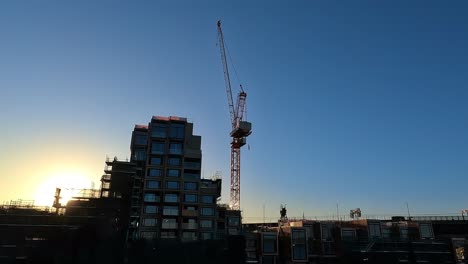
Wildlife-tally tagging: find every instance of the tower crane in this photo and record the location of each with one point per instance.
(240, 128)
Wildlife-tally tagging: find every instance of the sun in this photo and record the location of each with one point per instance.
(69, 182)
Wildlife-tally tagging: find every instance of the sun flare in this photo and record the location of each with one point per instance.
(68, 181)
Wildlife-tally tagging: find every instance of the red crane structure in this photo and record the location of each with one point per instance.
(240, 128)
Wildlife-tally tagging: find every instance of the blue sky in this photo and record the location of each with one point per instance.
(356, 103)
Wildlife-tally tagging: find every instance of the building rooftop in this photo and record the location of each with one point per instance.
(170, 118)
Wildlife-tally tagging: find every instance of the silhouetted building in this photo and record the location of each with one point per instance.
(174, 202)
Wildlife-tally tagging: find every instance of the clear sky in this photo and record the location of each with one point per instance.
(357, 103)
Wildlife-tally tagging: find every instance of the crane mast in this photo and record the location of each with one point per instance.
(240, 128)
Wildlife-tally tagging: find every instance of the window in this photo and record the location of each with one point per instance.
(299, 252)
(191, 163)
(149, 222)
(175, 148)
(298, 236)
(140, 154)
(206, 224)
(156, 161)
(208, 199)
(404, 233)
(206, 236)
(269, 243)
(348, 234)
(148, 235)
(151, 197)
(190, 186)
(299, 244)
(327, 232)
(155, 173)
(172, 185)
(173, 173)
(152, 184)
(207, 211)
(151, 209)
(310, 231)
(157, 148)
(169, 224)
(425, 230)
(174, 161)
(171, 210)
(374, 230)
(177, 131)
(191, 198)
(168, 234)
(233, 221)
(191, 176)
(189, 236)
(159, 130)
(140, 140)
(171, 198)
(105, 185)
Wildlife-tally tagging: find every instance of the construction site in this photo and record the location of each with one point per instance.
(157, 208)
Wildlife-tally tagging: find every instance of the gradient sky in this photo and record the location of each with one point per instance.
(357, 103)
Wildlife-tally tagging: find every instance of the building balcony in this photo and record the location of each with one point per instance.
(191, 213)
(191, 226)
(106, 177)
(167, 225)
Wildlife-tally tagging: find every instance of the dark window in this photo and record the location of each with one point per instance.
(207, 211)
(192, 165)
(206, 236)
(151, 197)
(269, 243)
(149, 221)
(299, 252)
(206, 224)
(299, 244)
(233, 221)
(159, 130)
(157, 147)
(190, 186)
(175, 148)
(152, 184)
(156, 161)
(172, 185)
(173, 173)
(171, 198)
(140, 154)
(151, 209)
(174, 161)
(374, 230)
(140, 140)
(155, 173)
(207, 199)
(191, 176)
(191, 198)
(348, 234)
(177, 131)
(425, 229)
(171, 210)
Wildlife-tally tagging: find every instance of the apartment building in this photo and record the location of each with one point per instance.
(172, 200)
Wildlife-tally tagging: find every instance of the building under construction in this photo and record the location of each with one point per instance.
(157, 200)
(440, 239)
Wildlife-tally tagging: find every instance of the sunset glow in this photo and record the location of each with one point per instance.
(69, 182)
